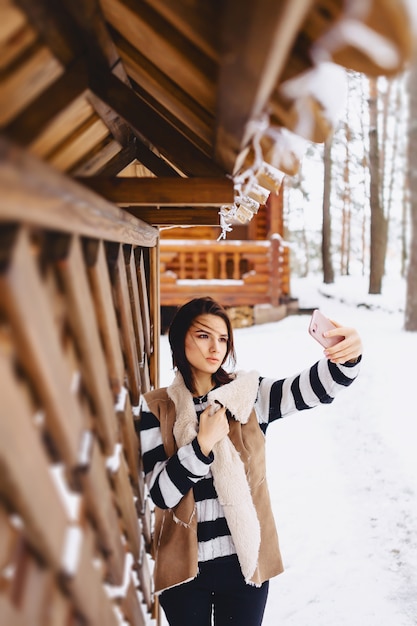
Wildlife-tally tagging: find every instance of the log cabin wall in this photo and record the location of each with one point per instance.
(248, 270)
(77, 347)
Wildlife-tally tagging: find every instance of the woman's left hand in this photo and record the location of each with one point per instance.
(349, 349)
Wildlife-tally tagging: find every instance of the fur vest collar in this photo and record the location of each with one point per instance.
(228, 470)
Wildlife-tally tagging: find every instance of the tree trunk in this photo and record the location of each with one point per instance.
(378, 220)
(365, 166)
(404, 227)
(346, 211)
(328, 272)
(411, 300)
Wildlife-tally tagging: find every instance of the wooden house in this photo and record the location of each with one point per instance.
(120, 119)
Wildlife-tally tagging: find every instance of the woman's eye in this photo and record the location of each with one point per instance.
(202, 336)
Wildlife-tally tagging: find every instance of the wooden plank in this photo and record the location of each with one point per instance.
(25, 480)
(87, 22)
(227, 294)
(126, 506)
(93, 161)
(144, 300)
(72, 270)
(39, 347)
(102, 51)
(49, 104)
(178, 58)
(257, 248)
(257, 38)
(57, 28)
(200, 26)
(166, 96)
(131, 444)
(13, 22)
(122, 301)
(164, 191)
(146, 376)
(60, 127)
(9, 614)
(176, 216)
(98, 498)
(132, 608)
(132, 278)
(79, 143)
(86, 588)
(80, 22)
(146, 519)
(60, 608)
(159, 132)
(145, 579)
(151, 161)
(35, 193)
(105, 156)
(8, 540)
(33, 583)
(72, 29)
(16, 35)
(23, 85)
(152, 258)
(98, 274)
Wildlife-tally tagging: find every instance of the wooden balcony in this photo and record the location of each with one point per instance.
(236, 273)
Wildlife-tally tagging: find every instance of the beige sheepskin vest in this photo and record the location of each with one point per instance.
(239, 478)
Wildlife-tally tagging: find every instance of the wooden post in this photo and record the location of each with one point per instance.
(155, 312)
(274, 271)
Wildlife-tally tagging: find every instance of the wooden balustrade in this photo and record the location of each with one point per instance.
(236, 273)
(78, 344)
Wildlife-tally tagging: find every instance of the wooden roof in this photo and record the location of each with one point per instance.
(183, 89)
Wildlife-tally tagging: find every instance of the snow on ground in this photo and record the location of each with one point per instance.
(343, 478)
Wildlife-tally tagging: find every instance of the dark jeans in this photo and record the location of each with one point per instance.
(219, 589)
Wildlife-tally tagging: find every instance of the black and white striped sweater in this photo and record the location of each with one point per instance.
(169, 479)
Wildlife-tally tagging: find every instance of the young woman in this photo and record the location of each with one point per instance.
(215, 544)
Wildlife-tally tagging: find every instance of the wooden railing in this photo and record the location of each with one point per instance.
(236, 273)
(78, 344)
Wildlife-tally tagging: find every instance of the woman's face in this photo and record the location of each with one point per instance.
(206, 344)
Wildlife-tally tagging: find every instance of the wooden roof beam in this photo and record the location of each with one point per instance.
(164, 95)
(256, 40)
(120, 108)
(163, 191)
(155, 130)
(78, 30)
(171, 52)
(176, 216)
(113, 166)
(75, 31)
(201, 26)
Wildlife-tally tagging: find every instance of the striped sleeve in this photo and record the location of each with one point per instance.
(316, 385)
(169, 479)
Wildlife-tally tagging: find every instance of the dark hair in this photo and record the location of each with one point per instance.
(178, 329)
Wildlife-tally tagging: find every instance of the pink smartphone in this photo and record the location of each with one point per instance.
(319, 324)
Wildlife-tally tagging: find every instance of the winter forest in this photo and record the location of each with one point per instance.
(352, 207)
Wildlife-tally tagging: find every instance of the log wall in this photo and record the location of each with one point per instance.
(236, 273)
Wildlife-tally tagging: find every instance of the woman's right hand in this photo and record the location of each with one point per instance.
(213, 428)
